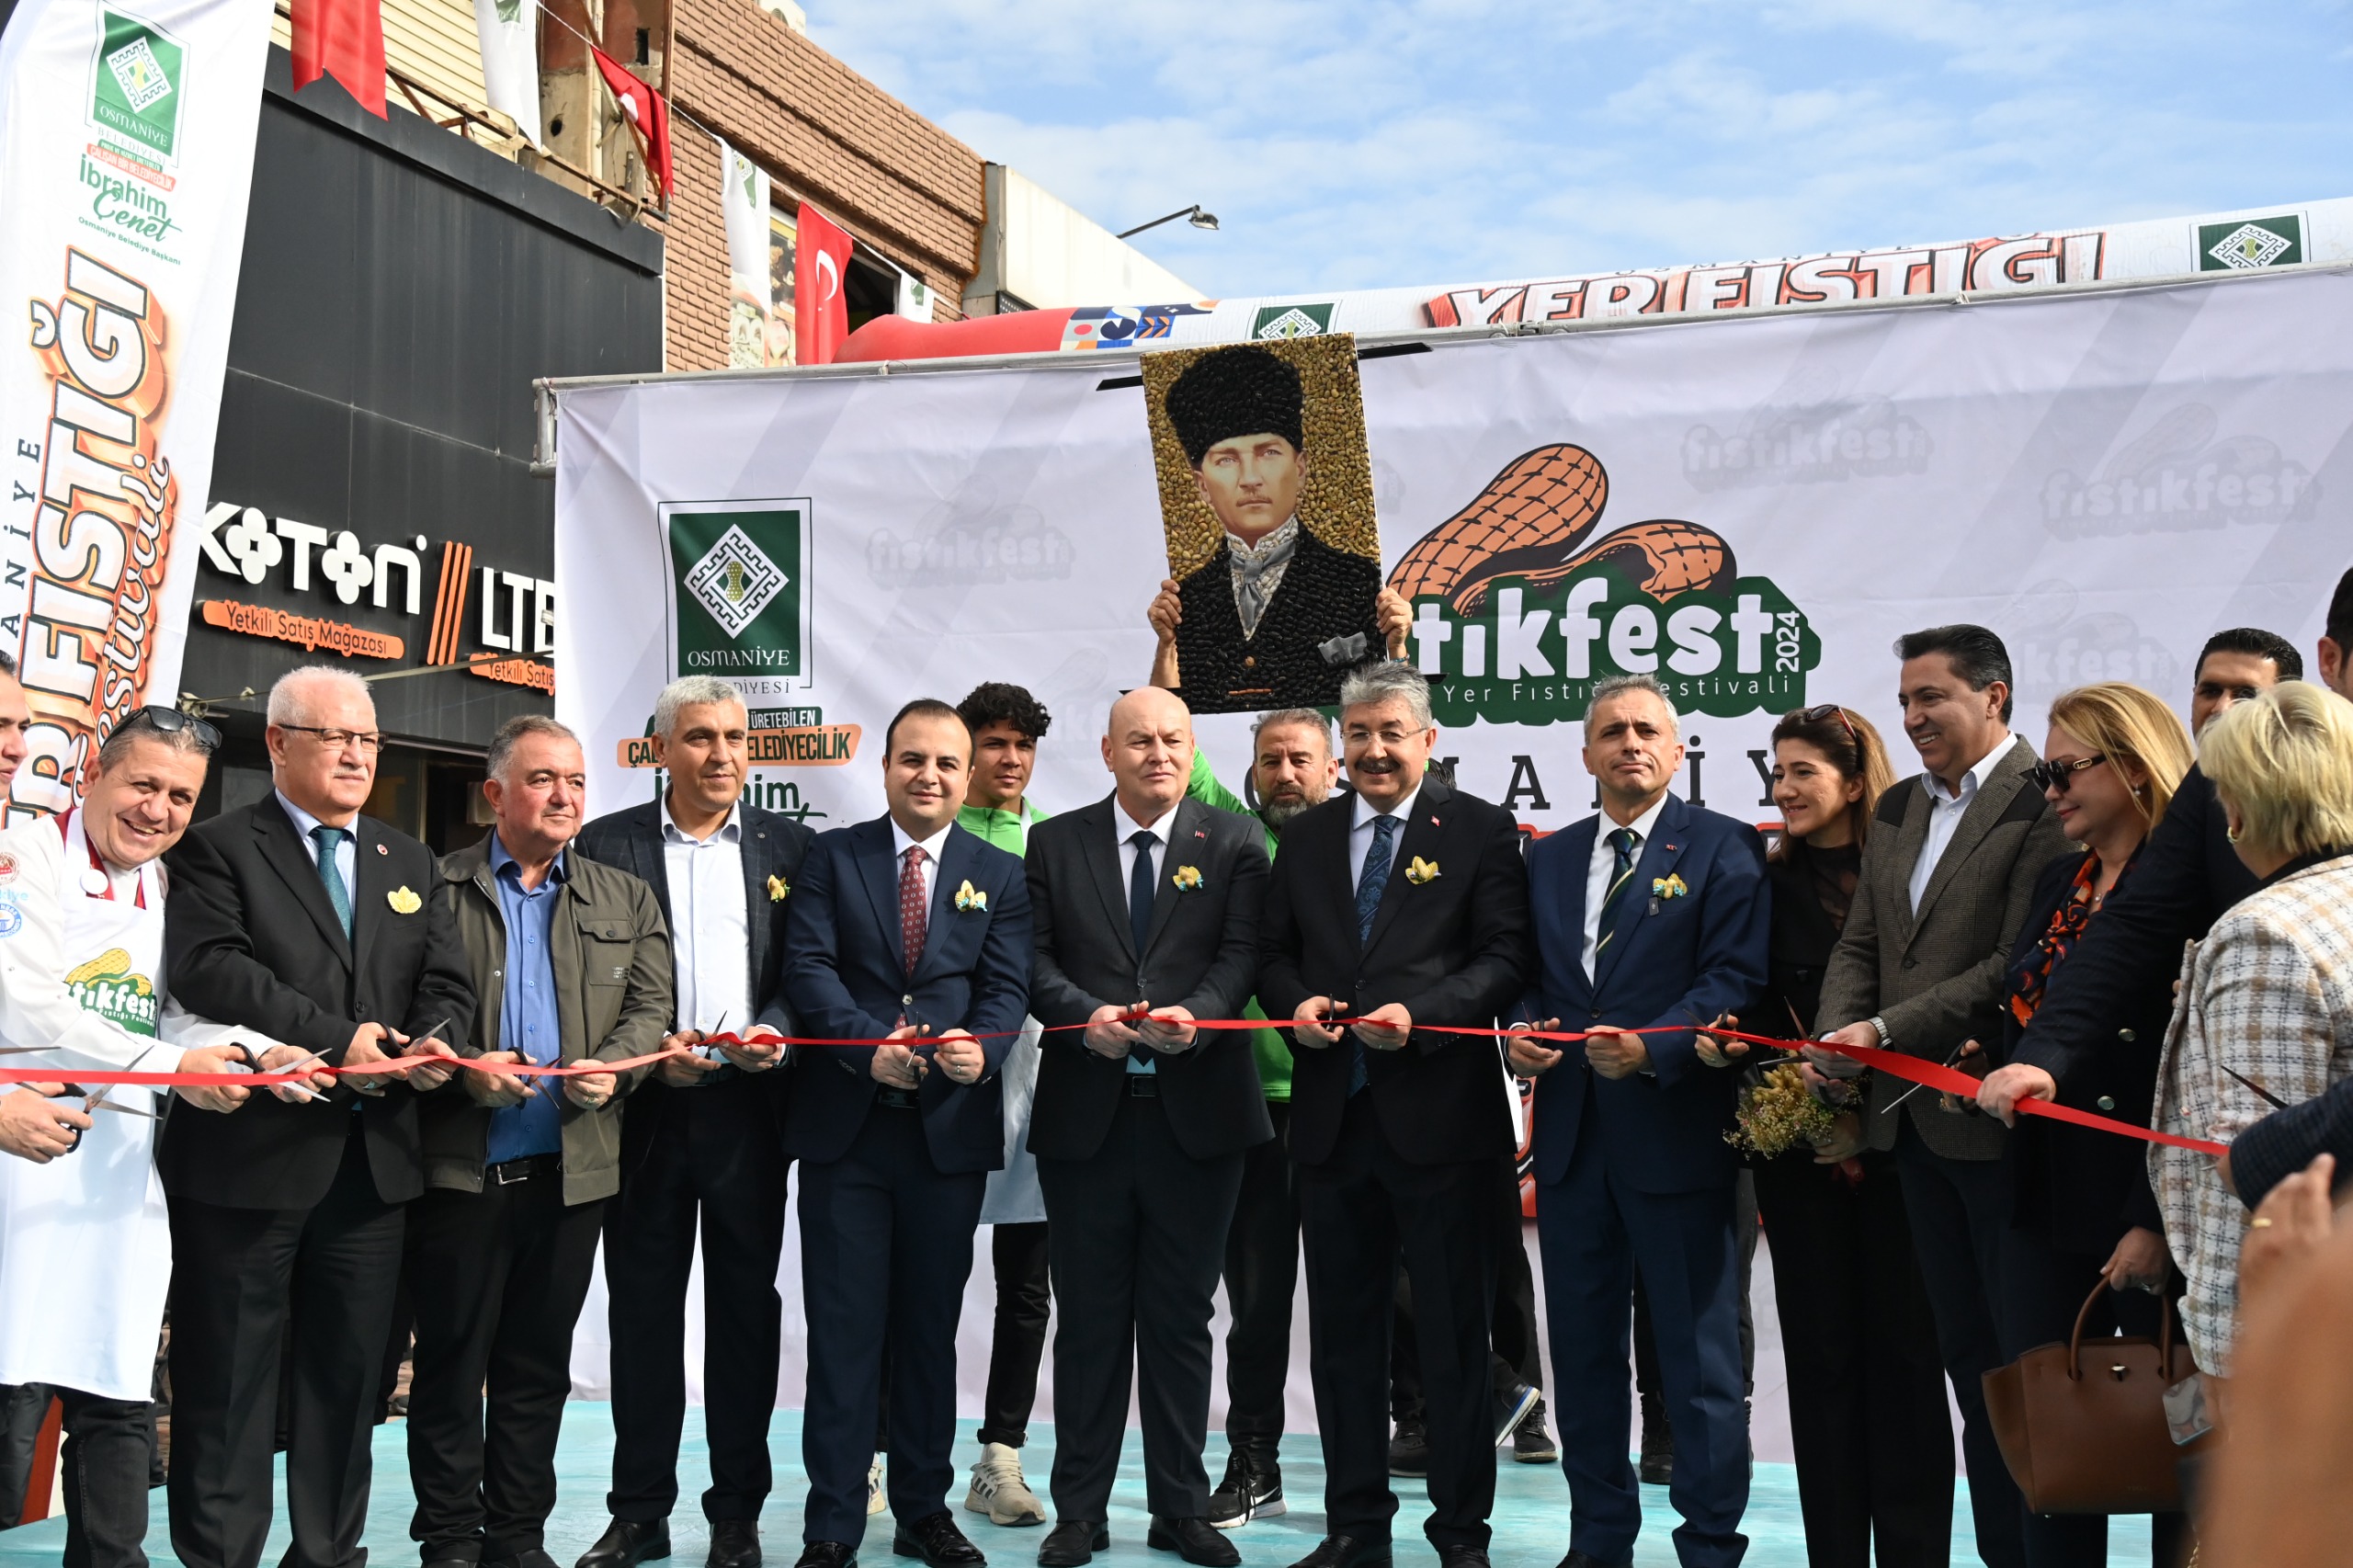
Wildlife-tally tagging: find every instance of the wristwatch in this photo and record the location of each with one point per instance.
(1878, 1026)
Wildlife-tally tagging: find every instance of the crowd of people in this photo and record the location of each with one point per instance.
(1172, 1039)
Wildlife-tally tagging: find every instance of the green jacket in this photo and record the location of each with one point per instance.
(1271, 1049)
(610, 953)
(1004, 829)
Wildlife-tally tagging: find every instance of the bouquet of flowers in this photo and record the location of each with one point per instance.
(1779, 1113)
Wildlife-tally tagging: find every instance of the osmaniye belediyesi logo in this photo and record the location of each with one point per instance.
(739, 572)
(139, 81)
(1521, 603)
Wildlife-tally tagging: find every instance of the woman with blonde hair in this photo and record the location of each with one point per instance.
(2083, 1212)
(2265, 1012)
(1868, 1423)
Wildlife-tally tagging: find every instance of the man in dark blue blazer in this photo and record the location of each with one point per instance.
(1658, 922)
(911, 929)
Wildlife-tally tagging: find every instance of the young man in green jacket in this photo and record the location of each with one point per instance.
(1007, 724)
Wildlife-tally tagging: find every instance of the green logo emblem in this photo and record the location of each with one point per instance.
(105, 985)
(136, 88)
(510, 12)
(1291, 321)
(739, 579)
(2257, 242)
(1529, 651)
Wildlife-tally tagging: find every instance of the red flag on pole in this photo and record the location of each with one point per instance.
(345, 40)
(820, 312)
(644, 109)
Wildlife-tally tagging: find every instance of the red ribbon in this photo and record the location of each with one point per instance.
(1912, 1069)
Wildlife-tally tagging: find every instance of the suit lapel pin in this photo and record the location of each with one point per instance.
(381, 850)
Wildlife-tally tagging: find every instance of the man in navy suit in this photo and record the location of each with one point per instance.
(911, 929)
(1653, 918)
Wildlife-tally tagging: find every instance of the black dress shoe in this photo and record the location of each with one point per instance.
(1462, 1557)
(628, 1542)
(935, 1540)
(533, 1557)
(1195, 1541)
(827, 1554)
(1072, 1542)
(1588, 1560)
(1409, 1450)
(1345, 1551)
(734, 1543)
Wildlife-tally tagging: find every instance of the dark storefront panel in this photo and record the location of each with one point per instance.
(402, 289)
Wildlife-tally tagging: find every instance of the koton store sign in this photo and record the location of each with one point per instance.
(311, 578)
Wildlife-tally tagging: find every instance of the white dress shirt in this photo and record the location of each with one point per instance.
(900, 844)
(1945, 812)
(711, 933)
(1127, 827)
(1601, 868)
(347, 852)
(1360, 834)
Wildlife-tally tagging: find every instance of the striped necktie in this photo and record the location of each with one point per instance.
(1621, 877)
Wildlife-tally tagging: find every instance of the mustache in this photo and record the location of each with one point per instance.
(1375, 765)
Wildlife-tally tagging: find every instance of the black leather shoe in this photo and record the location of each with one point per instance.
(827, 1554)
(1462, 1557)
(1073, 1542)
(1345, 1551)
(533, 1557)
(1409, 1450)
(935, 1540)
(1588, 1560)
(1195, 1541)
(628, 1542)
(734, 1543)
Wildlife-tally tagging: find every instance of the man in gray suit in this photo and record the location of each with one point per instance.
(1145, 899)
(1945, 880)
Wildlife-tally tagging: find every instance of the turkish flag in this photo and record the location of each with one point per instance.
(345, 40)
(820, 312)
(644, 109)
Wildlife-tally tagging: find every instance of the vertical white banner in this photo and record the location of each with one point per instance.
(509, 31)
(744, 200)
(126, 159)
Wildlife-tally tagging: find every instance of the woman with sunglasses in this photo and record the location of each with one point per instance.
(2085, 1211)
(1867, 1387)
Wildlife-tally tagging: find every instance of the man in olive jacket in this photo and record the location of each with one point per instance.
(572, 964)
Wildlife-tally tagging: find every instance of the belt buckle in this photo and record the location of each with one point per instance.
(1143, 1087)
(521, 1169)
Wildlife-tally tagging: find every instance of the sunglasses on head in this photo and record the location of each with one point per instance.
(1827, 712)
(171, 721)
(2059, 774)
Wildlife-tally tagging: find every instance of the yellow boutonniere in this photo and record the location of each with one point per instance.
(778, 889)
(1420, 872)
(404, 902)
(1669, 887)
(969, 897)
(1187, 878)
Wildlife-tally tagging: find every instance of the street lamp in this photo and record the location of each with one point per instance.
(1193, 215)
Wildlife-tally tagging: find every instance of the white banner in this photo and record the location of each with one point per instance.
(743, 200)
(510, 31)
(1752, 507)
(126, 158)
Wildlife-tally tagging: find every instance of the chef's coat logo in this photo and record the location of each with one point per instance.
(105, 986)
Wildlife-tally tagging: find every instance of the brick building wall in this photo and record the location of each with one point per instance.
(825, 135)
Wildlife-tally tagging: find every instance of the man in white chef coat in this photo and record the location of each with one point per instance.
(86, 1251)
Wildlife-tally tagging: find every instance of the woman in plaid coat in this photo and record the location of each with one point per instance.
(2265, 1010)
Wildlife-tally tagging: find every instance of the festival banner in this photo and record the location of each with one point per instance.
(1749, 507)
(509, 33)
(126, 158)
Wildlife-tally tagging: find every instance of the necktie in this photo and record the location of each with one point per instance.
(1140, 892)
(912, 913)
(1621, 877)
(1370, 884)
(329, 839)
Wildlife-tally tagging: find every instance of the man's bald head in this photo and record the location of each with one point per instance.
(1148, 746)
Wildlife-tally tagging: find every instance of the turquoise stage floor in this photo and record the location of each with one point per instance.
(1532, 1519)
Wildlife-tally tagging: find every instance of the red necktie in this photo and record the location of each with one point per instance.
(911, 905)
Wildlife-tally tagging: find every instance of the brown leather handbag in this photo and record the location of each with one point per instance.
(2082, 1425)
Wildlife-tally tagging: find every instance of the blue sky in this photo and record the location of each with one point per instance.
(1356, 144)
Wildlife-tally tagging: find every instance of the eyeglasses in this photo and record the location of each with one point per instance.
(1827, 712)
(171, 721)
(2059, 774)
(370, 741)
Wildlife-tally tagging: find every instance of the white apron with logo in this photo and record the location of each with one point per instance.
(85, 1249)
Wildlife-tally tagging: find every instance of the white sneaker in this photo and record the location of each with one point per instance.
(999, 1490)
(875, 1501)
